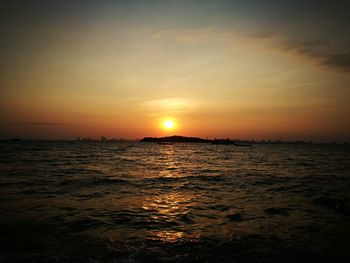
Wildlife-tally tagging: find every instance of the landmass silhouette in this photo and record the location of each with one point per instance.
(184, 139)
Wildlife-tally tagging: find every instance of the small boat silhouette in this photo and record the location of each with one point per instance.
(227, 141)
(242, 144)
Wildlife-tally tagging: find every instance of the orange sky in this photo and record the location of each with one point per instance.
(218, 69)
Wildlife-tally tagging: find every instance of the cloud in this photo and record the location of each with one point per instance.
(307, 46)
(330, 53)
(193, 35)
(168, 103)
(339, 61)
(35, 123)
(327, 53)
(320, 51)
(168, 106)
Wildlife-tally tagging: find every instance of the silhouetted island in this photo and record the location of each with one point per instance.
(236, 142)
(175, 138)
(183, 139)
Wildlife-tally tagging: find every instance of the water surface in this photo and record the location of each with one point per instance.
(144, 202)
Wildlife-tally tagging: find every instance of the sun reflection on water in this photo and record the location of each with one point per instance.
(167, 206)
(167, 161)
(167, 210)
(168, 235)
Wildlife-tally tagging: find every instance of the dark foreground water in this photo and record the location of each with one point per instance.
(139, 202)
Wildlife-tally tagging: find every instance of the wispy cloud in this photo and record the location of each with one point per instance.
(320, 51)
(339, 61)
(167, 103)
(35, 123)
(328, 53)
(193, 35)
(168, 106)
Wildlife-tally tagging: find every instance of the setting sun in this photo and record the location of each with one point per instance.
(168, 124)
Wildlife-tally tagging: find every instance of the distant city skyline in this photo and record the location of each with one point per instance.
(132, 69)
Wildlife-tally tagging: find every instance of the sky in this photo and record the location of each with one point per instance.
(219, 69)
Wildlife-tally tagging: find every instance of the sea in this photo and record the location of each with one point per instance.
(75, 201)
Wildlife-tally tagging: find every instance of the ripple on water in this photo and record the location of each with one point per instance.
(217, 196)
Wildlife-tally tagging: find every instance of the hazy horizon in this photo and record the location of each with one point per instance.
(111, 139)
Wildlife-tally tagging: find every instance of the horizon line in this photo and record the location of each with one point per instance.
(110, 139)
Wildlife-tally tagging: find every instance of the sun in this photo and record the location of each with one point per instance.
(168, 124)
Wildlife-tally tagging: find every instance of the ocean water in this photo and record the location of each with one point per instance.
(144, 202)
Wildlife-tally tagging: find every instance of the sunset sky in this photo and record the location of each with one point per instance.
(237, 69)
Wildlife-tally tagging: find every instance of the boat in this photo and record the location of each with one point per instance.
(222, 142)
(231, 142)
(242, 144)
